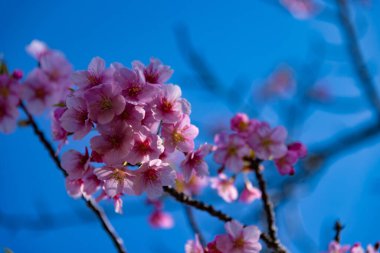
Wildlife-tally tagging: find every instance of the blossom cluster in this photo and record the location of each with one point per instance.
(335, 247)
(237, 239)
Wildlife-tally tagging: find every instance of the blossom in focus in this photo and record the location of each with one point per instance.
(194, 162)
(225, 187)
(230, 151)
(151, 176)
(75, 163)
(194, 246)
(180, 135)
(117, 180)
(239, 239)
(268, 143)
(155, 72)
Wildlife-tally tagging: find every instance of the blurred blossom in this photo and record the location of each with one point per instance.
(301, 9)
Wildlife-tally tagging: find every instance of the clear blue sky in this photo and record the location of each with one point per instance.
(242, 41)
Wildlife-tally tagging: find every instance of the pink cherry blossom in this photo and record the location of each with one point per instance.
(268, 143)
(239, 239)
(95, 75)
(249, 194)
(241, 124)
(179, 135)
(192, 187)
(118, 203)
(9, 90)
(85, 185)
(357, 248)
(230, 151)
(147, 146)
(160, 219)
(132, 115)
(8, 117)
(194, 162)
(75, 119)
(155, 72)
(194, 246)
(135, 89)
(117, 180)
(104, 102)
(114, 143)
(285, 164)
(59, 133)
(335, 247)
(38, 92)
(75, 163)
(211, 247)
(37, 49)
(169, 106)
(299, 148)
(151, 176)
(225, 187)
(57, 68)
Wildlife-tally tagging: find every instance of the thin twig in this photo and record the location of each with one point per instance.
(91, 203)
(338, 227)
(357, 58)
(183, 198)
(194, 225)
(268, 207)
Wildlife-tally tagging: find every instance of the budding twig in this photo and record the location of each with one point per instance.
(91, 203)
(338, 227)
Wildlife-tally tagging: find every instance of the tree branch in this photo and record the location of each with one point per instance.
(91, 203)
(338, 227)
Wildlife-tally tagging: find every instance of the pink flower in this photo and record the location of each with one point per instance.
(239, 239)
(299, 148)
(372, 249)
(8, 117)
(301, 9)
(285, 164)
(335, 247)
(37, 49)
(75, 119)
(169, 105)
(211, 247)
(56, 68)
(357, 248)
(160, 219)
(117, 180)
(38, 92)
(194, 162)
(225, 187)
(155, 72)
(280, 83)
(147, 146)
(132, 115)
(194, 246)
(179, 135)
(85, 185)
(104, 102)
(268, 143)
(118, 203)
(249, 194)
(242, 124)
(9, 90)
(75, 164)
(95, 75)
(151, 176)
(135, 89)
(114, 143)
(192, 187)
(59, 134)
(230, 151)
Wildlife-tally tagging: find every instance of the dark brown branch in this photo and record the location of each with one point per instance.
(356, 55)
(91, 203)
(338, 227)
(194, 225)
(268, 207)
(184, 199)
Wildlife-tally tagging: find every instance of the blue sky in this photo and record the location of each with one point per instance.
(243, 42)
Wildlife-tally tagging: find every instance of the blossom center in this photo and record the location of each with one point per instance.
(4, 92)
(239, 242)
(118, 175)
(266, 143)
(40, 93)
(178, 137)
(232, 151)
(134, 91)
(106, 104)
(151, 175)
(166, 105)
(144, 147)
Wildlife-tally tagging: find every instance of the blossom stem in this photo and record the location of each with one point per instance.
(91, 203)
(268, 207)
(184, 199)
(338, 227)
